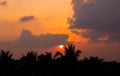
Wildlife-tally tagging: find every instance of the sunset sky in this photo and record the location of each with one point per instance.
(93, 26)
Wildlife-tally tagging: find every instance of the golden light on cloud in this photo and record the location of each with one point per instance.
(85, 1)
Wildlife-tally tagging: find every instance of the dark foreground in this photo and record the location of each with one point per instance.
(32, 64)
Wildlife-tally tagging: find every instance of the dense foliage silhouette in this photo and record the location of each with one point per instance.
(67, 64)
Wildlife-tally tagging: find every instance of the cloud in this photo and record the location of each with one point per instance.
(5, 44)
(100, 19)
(27, 40)
(3, 3)
(27, 18)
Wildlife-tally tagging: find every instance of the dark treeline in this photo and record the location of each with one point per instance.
(68, 64)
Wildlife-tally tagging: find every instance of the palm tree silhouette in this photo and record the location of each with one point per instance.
(47, 57)
(29, 57)
(28, 63)
(65, 64)
(6, 63)
(5, 56)
(70, 53)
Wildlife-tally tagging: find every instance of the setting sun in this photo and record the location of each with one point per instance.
(61, 46)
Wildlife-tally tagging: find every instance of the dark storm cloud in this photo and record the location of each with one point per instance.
(27, 18)
(3, 3)
(27, 40)
(98, 17)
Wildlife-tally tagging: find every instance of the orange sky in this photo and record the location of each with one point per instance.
(50, 16)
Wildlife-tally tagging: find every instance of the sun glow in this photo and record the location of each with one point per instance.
(61, 46)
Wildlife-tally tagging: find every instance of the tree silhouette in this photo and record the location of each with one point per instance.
(6, 63)
(28, 63)
(5, 56)
(92, 59)
(67, 64)
(47, 57)
(70, 53)
(30, 56)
